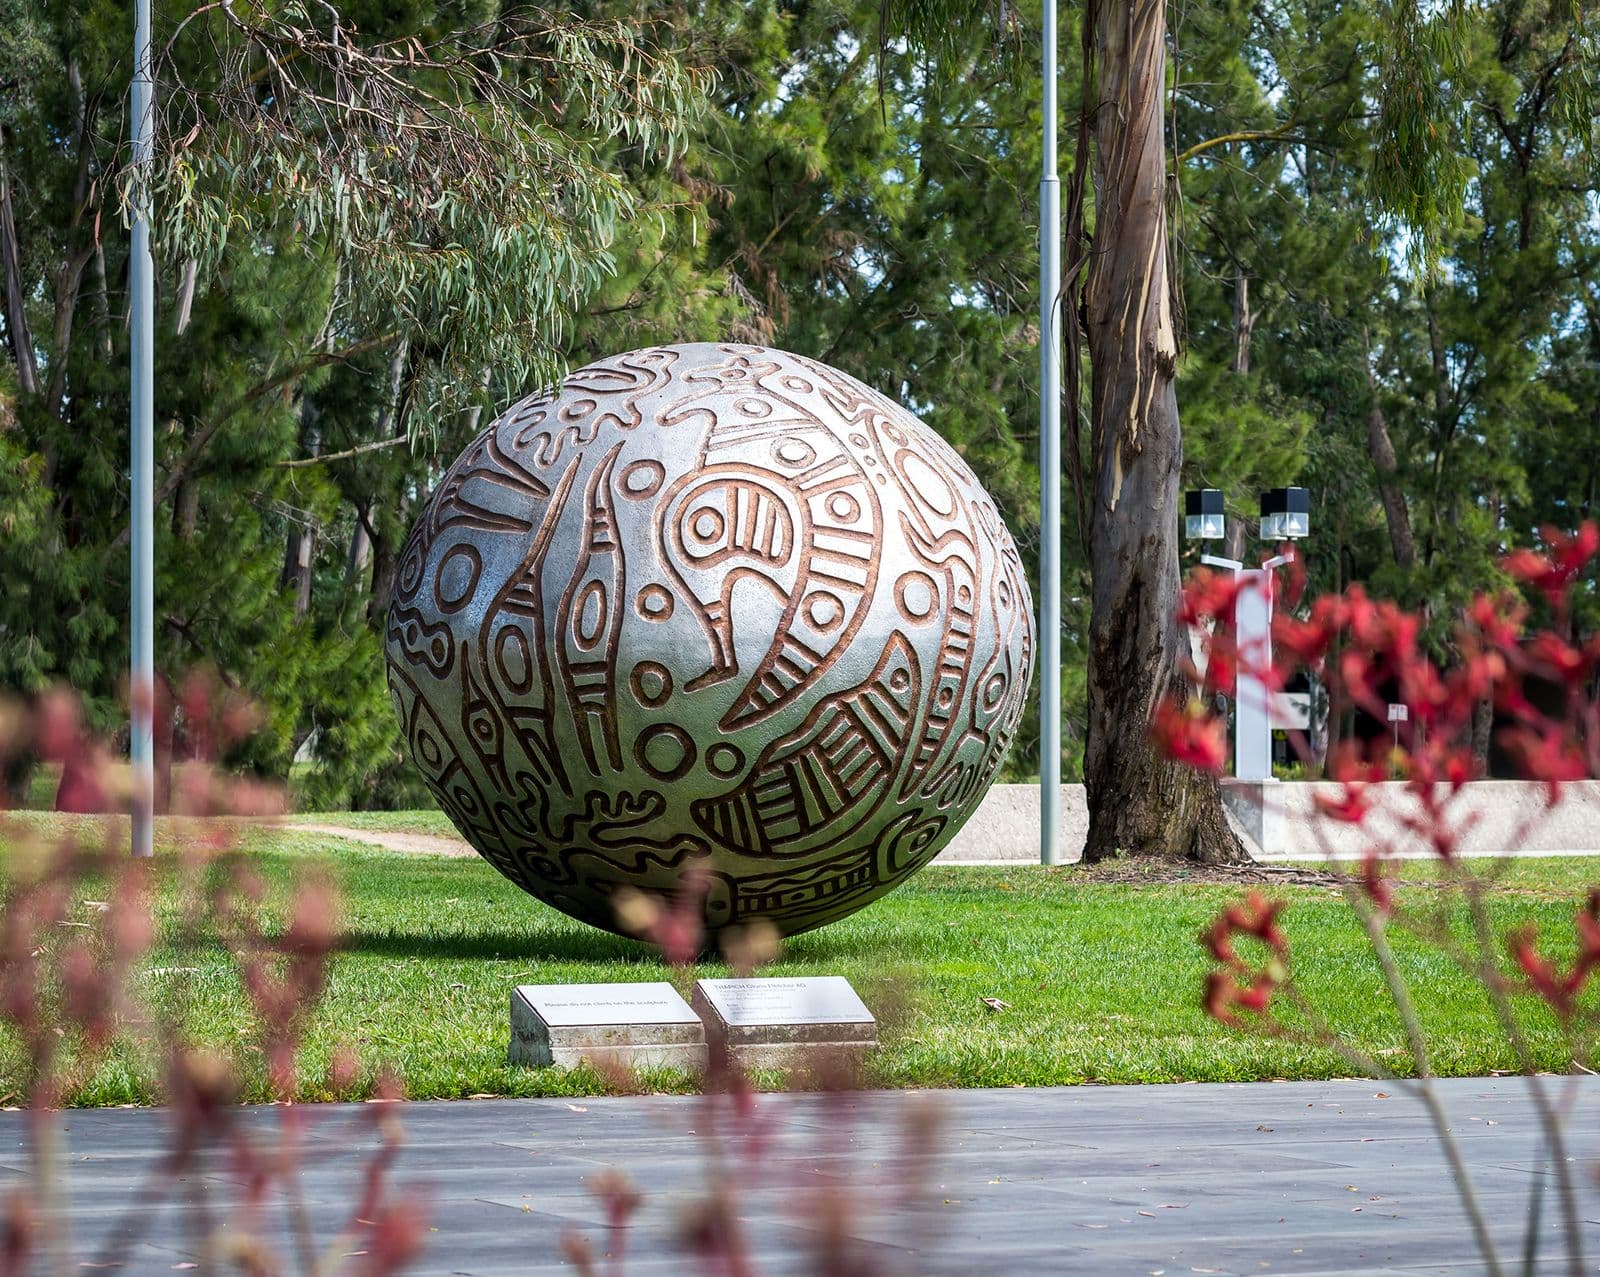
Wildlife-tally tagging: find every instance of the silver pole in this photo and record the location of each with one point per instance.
(141, 326)
(1049, 466)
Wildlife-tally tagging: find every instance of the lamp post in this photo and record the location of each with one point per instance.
(1203, 518)
(1049, 465)
(141, 495)
(1285, 516)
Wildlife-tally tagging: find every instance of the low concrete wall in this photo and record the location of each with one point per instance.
(1497, 816)
(1006, 825)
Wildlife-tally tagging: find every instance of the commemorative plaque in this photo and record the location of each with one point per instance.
(639, 1025)
(779, 1022)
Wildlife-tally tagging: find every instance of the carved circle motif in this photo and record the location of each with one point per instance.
(715, 603)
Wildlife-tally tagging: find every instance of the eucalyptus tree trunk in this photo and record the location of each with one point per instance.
(1244, 322)
(1140, 802)
(1380, 447)
(355, 564)
(301, 548)
(17, 332)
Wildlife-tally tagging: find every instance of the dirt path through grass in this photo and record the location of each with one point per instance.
(391, 840)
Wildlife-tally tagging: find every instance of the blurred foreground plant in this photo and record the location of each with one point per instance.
(66, 993)
(738, 1136)
(1542, 685)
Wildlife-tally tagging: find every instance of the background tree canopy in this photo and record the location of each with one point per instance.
(375, 225)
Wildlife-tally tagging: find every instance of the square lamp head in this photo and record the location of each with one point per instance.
(1285, 514)
(1202, 511)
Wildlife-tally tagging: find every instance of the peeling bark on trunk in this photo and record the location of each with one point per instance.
(1074, 322)
(1140, 802)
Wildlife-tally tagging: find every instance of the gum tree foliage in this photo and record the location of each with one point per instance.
(1443, 376)
(1351, 300)
(880, 218)
(849, 206)
(1382, 103)
(369, 221)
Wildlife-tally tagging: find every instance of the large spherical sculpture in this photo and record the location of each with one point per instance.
(710, 603)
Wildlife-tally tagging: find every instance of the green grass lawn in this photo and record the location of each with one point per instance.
(1102, 979)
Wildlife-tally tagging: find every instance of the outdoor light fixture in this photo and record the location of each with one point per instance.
(1202, 508)
(1285, 514)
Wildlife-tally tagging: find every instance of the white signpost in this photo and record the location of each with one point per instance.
(1398, 714)
(1250, 793)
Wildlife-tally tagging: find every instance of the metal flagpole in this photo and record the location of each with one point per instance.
(1049, 465)
(141, 325)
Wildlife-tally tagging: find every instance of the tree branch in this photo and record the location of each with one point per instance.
(302, 462)
(255, 394)
(1282, 132)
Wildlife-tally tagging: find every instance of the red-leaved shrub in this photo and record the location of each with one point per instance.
(67, 992)
(1541, 686)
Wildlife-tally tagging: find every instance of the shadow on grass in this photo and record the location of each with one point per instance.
(814, 948)
(593, 946)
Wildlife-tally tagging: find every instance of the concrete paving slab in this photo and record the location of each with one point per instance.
(1295, 1178)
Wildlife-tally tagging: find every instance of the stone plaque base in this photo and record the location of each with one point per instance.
(786, 1023)
(636, 1025)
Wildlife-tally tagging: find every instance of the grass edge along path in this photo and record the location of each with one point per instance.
(1100, 981)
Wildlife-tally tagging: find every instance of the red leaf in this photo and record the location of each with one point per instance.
(1186, 733)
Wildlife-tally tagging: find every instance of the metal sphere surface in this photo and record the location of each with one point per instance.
(710, 604)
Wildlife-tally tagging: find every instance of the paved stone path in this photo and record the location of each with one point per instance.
(1295, 1178)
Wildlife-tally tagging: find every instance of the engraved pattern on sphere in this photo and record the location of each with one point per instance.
(714, 602)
